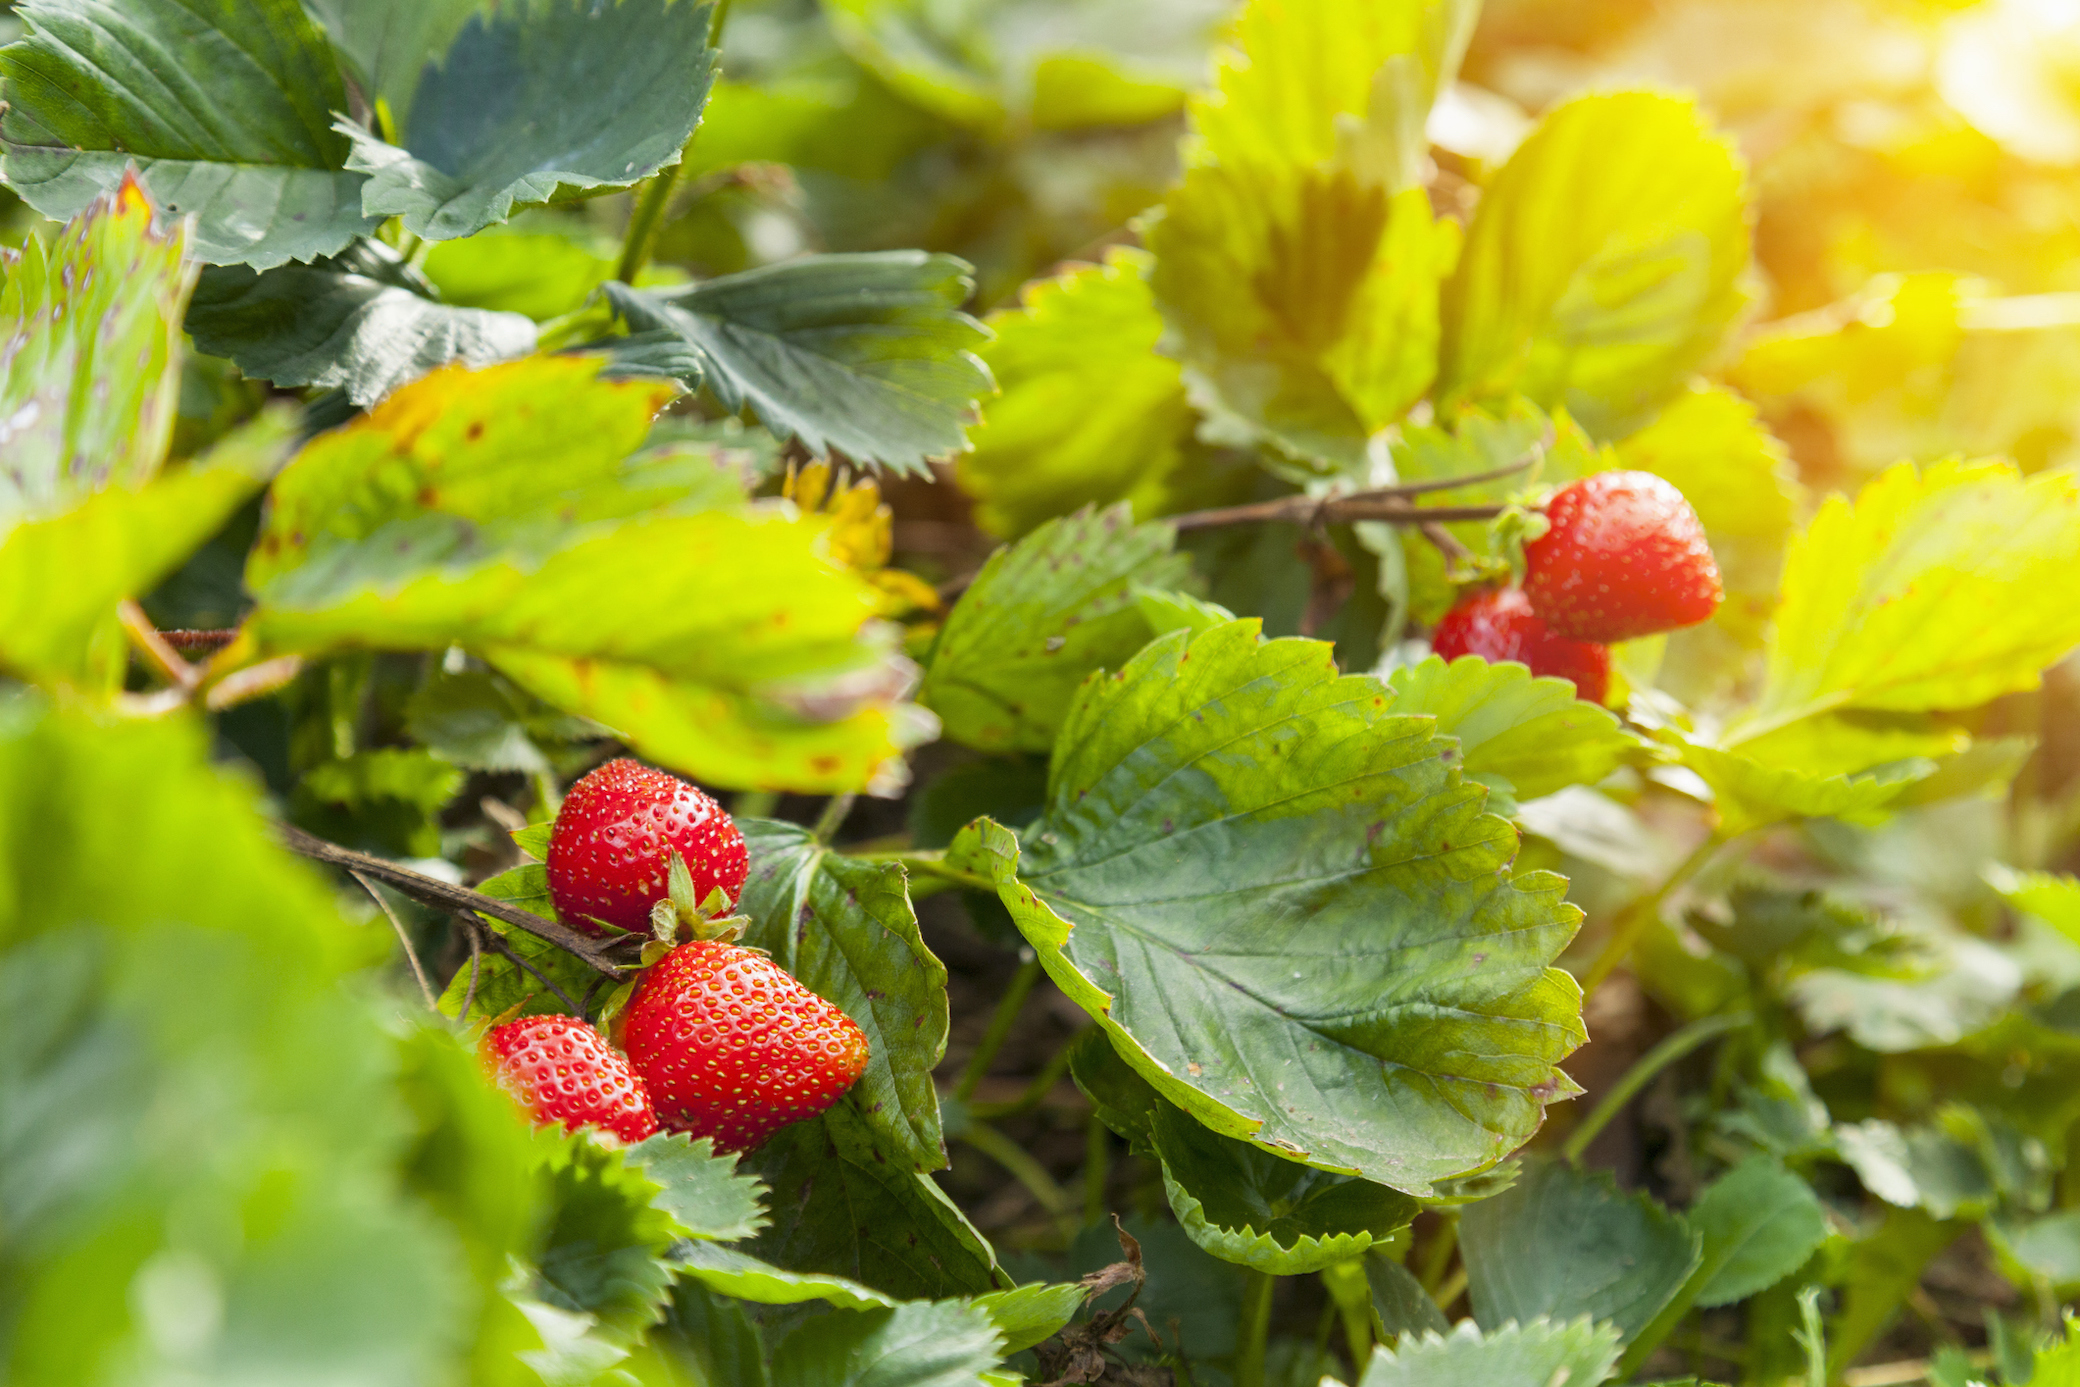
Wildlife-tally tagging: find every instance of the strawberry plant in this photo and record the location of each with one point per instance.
(784, 694)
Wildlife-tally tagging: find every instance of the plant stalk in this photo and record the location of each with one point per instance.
(1672, 1048)
(1097, 1170)
(1020, 1165)
(1256, 1329)
(1635, 919)
(1000, 1023)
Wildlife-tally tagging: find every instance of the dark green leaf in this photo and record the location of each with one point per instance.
(713, 1336)
(541, 96)
(845, 930)
(1564, 1243)
(479, 720)
(1289, 913)
(389, 799)
(934, 1345)
(386, 44)
(1538, 1354)
(1400, 1305)
(702, 1190)
(1038, 619)
(840, 1206)
(360, 322)
(1759, 1223)
(225, 107)
(867, 355)
(603, 1252)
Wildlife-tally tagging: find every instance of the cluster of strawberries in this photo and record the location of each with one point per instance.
(720, 1041)
(1623, 556)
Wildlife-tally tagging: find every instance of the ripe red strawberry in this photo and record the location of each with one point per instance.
(735, 1049)
(1624, 556)
(1500, 625)
(562, 1070)
(610, 852)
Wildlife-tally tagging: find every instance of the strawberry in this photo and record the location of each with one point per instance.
(610, 851)
(562, 1070)
(735, 1049)
(1500, 625)
(1623, 556)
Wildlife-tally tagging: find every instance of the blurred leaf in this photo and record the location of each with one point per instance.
(703, 1191)
(1565, 1242)
(89, 356)
(867, 355)
(1604, 264)
(1962, 1164)
(1956, 985)
(2051, 897)
(62, 577)
(1028, 1314)
(729, 1272)
(516, 112)
(1530, 1355)
(490, 510)
(1220, 812)
(1040, 617)
(2048, 1247)
(930, 1345)
(388, 799)
(361, 322)
(1011, 790)
(1166, 610)
(1089, 413)
(1938, 588)
(479, 720)
(843, 1208)
(1522, 737)
(224, 106)
(184, 1054)
(1750, 794)
(386, 44)
(1759, 1223)
(844, 928)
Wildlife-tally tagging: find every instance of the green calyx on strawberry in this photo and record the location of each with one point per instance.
(680, 916)
(1623, 556)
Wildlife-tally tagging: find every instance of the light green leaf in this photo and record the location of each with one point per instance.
(1941, 587)
(1759, 1223)
(1289, 914)
(1960, 1165)
(1539, 1354)
(1750, 793)
(847, 1210)
(703, 1191)
(361, 322)
(89, 356)
(867, 355)
(1949, 986)
(507, 271)
(516, 111)
(729, 1272)
(490, 509)
(224, 106)
(1166, 610)
(1565, 1242)
(1604, 264)
(1089, 412)
(61, 577)
(2051, 897)
(1039, 617)
(845, 930)
(502, 984)
(1520, 736)
(930, 1345)
(1028, 1314)
(386, 44)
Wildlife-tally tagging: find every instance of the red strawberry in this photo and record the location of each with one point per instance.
(1500, 625)
(562, 1070)
(1624, 556)
(611, 850)
(735, 1049)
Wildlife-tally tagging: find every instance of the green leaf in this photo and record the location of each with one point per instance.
(1950, 985)
(844, 1209)
(539, 275)
(1564, 1242)
(386, 44)
(2051, 897)
(1400, 1305)
(845, 930)
(89, 356)
(1166, 611)
(1026, 1315)
(516, 112)
(1749, 793)
(711, 1336)
(1538, 1354)
(2048, 1247)
(479, 720)
(490, 509)
(729, 1272)
(361, 322)
(931, 1345)
(224, 106)
(1941, 587)
(187, 1051)
(703, 1191)
(1759, 1223)
(1038, 619)
(389, 798)
(1604, 264)
(603, 1251)
(867, 355)
(1089, 413)
(1222, 814)
(1959, 1166)
(1520, 736)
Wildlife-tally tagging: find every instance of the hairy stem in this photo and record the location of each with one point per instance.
(1672, 1048)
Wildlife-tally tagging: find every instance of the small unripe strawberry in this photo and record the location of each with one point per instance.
(1500, 625)
(733, 1048)
(611, 848)
(1623, 556)
(562, 1070)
